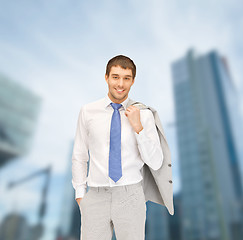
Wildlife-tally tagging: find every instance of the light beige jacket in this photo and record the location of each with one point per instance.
(157, 184)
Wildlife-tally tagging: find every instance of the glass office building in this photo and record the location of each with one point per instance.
(211, 194)
(19, 108)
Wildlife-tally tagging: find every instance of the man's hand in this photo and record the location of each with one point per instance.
(78, 200)
(133, 115)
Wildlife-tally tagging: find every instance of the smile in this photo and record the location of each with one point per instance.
(119, 91)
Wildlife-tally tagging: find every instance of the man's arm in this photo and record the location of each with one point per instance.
(80, 157)
(149, 143)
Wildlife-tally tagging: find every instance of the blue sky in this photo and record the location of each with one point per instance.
(59, 50)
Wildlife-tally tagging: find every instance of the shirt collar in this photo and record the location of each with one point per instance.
(107, 102)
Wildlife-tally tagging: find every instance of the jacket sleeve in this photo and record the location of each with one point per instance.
(80, 157)
(148, 141)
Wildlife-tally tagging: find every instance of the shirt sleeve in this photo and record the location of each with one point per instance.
(80, 157)
(148, 141)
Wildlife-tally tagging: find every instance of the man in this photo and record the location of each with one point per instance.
(118, 140)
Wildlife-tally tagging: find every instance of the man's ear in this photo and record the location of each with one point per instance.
(133, 80)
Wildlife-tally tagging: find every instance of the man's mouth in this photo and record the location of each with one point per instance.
(119, 91)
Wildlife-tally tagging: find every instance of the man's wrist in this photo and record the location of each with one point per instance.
(139, 129)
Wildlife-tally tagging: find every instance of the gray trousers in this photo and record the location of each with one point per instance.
(121, 207)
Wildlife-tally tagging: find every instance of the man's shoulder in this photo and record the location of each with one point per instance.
(142, 106)
(145, 110)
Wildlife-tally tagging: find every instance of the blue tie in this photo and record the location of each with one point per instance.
(115, 169)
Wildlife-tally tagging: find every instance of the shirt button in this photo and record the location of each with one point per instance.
(170, 181)
(169, 165)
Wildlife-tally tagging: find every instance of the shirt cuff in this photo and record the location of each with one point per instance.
(140, 136)
(80, 192)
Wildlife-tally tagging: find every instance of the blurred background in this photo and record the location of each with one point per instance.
(189, 58)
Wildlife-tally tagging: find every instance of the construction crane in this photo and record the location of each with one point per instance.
(38, 228)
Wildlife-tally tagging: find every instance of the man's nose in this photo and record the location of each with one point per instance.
(120, 84)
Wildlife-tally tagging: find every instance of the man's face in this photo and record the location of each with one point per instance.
(119, 79)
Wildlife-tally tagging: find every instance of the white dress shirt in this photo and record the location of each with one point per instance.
(92, 142)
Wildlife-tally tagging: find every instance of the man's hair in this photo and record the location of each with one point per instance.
(122, 61)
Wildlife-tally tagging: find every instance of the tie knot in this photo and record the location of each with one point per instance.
(116, 106)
